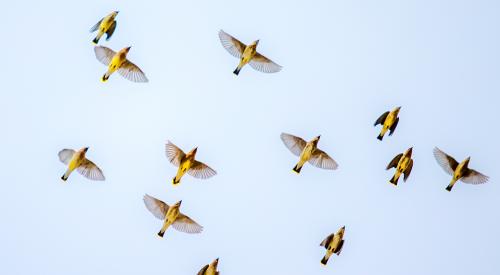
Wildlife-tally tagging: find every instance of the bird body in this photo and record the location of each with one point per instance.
(187, 163)
(403, 164)
(333, 244)
(106, 25)
(247, 54)
(210, 269)
(458, 171)
(118, 62)
(171, 216)
(308, 152)
(389, 122)
(77, 160)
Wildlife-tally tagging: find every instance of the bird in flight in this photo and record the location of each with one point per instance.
(77, 160)
(333, 244)
(119, 62)
(106, 25)
(171, 216)
(187, 163)
(210, 269)
(403, 164)
(247, 54)
(459, 171)
(308, 152)
(389, 122)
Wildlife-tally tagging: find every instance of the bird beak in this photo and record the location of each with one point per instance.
(116, 12)
(398, 108)
(180, 202)
(86, 149)
(217, 260)
(343, 227)
(194, 150)
(256, 42)
(128, 48)
(410, 150)
(318, 137)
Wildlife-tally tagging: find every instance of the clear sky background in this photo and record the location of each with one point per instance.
(344, 64)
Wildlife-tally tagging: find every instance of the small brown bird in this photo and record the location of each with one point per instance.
(119, 62)
(459, 171)
(77, 160)
(247, 54)
(187, 163)
(333, 244)
(171, 215)
(403, 164)
(389, 121)
(308, 152)
(106, 25)
(210, 269)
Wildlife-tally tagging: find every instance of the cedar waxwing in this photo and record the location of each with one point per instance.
(77, 160)
(171, 215)
(333, 244)
(389, 121)
(187, 163)
(106, 25)
(308, 151)
(210, 269)
(118, 61)
(403, 164)
(458, 171)
(247, 54)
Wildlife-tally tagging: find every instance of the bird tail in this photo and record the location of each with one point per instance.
(96, 40)
(324, 261)
(175, 181)
(448, 188)
(64, 177)
(161, 233)
(380, 136)
(297, 168)
(394, 180)
(237, 70)
(105, 77)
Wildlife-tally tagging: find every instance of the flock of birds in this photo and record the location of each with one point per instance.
(187, 163)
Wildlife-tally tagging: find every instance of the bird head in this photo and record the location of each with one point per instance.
(255, 43)
(316, 140)
(342, 230)
(396, 110)
(466, 162)
(178, 204)
(85, 149)
(193, 152)
(409, 151)
(127, 49)
(215, 262)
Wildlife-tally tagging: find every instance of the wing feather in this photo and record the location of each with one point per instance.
(381, 119)
(407, 172)
(448, 163)
(65, 155)
(110, 31)
(131, 72)
(201, 171)
(104, 54)
(394, 162)
(322, 160)
(231, 44)
(185, 224)
(96, 26)
(174, 153)
(91, 171)
(295, 144)
(264, 64)
(157, 207)
(474, 177)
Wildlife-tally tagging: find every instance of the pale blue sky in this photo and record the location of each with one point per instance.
(344, 63)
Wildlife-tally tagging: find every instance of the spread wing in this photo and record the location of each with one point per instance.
(322, 160)
(327, 240)
(394, 162)
(295, 144)
(201, 171)
(96, 26)
(474, 177)
(65, 155)
(407, 172)
(131, 72)
(89, 170)
(157, 207)
(104, 54)
(393, 127)
(381, 119)
(264, 64)
(111, 30)
(231, 44)
(174, 153)
(446, 162)
(203, 270)
(185, 224)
